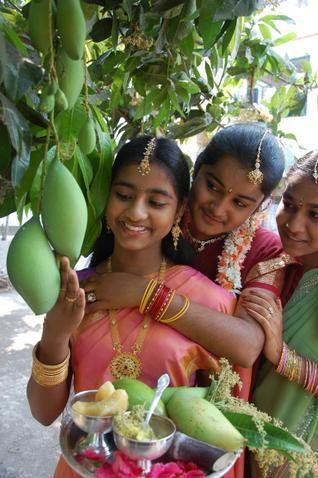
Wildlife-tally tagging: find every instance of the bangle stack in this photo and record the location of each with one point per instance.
(49, 375)
(298, 369)
(156, 300)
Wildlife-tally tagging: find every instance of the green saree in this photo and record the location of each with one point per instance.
(274, 394)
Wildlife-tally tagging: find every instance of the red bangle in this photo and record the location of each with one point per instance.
(157, 304)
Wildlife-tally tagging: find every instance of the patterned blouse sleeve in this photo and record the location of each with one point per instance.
(269, 274)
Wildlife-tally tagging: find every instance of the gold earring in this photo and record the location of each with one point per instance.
(175, 232)
(108, 229)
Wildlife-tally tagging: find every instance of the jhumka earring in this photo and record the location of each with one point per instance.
(108, 229)
(144, 165)
(175, 232)
(256, 176)
(315, 173)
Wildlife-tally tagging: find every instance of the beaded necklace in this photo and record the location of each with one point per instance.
(128, 364)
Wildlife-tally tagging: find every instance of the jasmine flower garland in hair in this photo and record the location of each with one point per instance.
(236, 246)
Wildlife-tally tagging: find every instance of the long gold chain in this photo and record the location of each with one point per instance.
(127, 364)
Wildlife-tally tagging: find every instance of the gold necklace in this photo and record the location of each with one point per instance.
(200, 245)
(128, 364)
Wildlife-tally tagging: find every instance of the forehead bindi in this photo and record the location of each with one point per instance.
(302, 191)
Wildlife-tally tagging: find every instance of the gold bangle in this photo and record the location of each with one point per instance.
(146, 295)
(49, 375)
(165, 306)
(181, 312)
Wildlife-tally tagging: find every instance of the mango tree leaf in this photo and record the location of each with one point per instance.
(163, 6)
(86, 170)
(35, 192)
(26, 182)
(273, 17)
(99, 189)
(93, 229)
(14, 39)
(187, 45)
(228, 36)
(208, 27)
(182, 25)
(7, 202)
(191, 127)
(5, 150)
(20, 139)
(163, 114)
(285, 38)
(19, 74)
(276, 438)
(230, 9)
(101, 30)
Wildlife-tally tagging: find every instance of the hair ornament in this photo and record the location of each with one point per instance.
(144, 165)
(315, 173)
(256, 176)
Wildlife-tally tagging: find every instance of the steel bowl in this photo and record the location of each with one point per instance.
(162, 426)
(87, 423)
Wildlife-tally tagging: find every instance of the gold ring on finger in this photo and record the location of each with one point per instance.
(70, 299)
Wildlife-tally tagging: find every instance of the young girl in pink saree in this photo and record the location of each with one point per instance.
(150, 183)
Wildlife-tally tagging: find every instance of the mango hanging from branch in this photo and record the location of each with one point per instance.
(39, 28)
(64, 211)
(32, 267)
(72, 27)
(87, 137)
(71, 77)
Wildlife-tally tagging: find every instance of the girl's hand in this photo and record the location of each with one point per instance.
(267, 311)
(114, 290)
(66, 315)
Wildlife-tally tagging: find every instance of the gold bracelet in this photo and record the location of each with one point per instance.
(49, 375)
(181, 312)
(146, 295)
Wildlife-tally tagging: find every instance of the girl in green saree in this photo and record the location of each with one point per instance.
(287, 384)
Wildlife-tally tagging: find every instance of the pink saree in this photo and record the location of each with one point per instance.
(164, 349)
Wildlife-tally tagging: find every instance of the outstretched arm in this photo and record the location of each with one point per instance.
(237, 337)
(47, 398)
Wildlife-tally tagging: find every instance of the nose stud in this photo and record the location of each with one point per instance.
(287, 225)
(230, 190)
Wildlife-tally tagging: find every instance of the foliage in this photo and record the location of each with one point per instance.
(264, 435)
(167, 67)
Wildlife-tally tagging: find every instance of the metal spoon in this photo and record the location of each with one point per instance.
(162, 384)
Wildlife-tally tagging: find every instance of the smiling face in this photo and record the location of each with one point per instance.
(222, 198)
(141, 209)
(297, 220)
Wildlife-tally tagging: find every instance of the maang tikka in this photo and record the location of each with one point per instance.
(144, 165)
(256, 176)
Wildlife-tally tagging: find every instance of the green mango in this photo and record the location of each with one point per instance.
(64, 211)
(202, 420)
(39, 24)
(87, 137)
(47, 103)
(32, 267)
(139, 393)
(200, 392)
(53, 87)
(72, 27)
(61, 100)
(71, 77)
